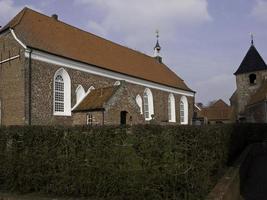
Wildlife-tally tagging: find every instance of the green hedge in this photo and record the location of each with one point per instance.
(140, 162)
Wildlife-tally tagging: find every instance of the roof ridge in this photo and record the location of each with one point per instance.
(15, 20)
(108, 40)
(22, 15)
(103, 53)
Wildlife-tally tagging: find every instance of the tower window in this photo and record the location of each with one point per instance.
(252, 79)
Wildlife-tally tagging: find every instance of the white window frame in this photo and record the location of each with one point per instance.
(90, 89)
(148, 104)
(117, 83)
(139, 102)
(80, 93)
(171, 108)
(67, 93)
(184, 111)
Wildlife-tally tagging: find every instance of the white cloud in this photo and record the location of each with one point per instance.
(260, 10)
(135, 21)
(8, 9)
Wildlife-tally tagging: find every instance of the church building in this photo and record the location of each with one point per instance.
(52, 73)
(250, 98)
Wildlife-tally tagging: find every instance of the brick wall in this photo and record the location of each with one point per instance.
(42, 86)
(12, 82)
(15, 89)
(245, 90)
(257, 112)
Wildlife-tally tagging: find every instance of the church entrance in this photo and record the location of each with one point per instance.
(123, 117)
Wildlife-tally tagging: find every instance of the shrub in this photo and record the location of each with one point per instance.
(139, 162)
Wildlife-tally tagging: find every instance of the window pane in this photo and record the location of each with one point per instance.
(146, 106)
(182, 112)
(59, 94)
(169, 109)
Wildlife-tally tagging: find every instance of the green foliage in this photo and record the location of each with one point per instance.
(141, 162)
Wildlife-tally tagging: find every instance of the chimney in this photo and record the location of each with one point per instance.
(55, 16)
(159, 59)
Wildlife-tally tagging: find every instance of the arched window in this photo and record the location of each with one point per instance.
(117, 83)
(79, 93)
(171, 108)
(148, 104)
(138, 100)
(183, 110)
(252, 79)
(62, 93)
(90, 89)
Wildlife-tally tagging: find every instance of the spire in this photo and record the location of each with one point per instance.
(157, 48)
(252, 62)
(252, 38)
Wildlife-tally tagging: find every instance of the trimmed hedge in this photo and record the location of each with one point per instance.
(141, 162)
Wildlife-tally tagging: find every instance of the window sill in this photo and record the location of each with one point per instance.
(62, 114)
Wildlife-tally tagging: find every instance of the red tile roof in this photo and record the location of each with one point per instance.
(218, 111)
(41, 32)
(96, 99)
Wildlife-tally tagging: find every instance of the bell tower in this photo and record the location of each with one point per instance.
(249, 77)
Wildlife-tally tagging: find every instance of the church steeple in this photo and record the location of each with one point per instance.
(157, 48)
(252, 62)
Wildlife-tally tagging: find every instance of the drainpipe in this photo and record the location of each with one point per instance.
(30, 87)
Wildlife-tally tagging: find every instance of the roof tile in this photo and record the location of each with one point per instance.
(218, 111)
(96, 99)
(41, 32)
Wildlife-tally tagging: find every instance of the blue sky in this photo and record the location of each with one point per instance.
(203, 41)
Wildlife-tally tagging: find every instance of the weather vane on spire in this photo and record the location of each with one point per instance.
(252, 38)
(157, 48)
(157, 33)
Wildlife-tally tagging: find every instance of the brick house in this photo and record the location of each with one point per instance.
(54, 73)
(249, 100)
(217, 113)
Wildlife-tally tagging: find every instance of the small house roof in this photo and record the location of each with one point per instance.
(217, 111)
(96, 99)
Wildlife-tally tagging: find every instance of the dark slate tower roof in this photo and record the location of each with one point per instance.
(252, 62)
